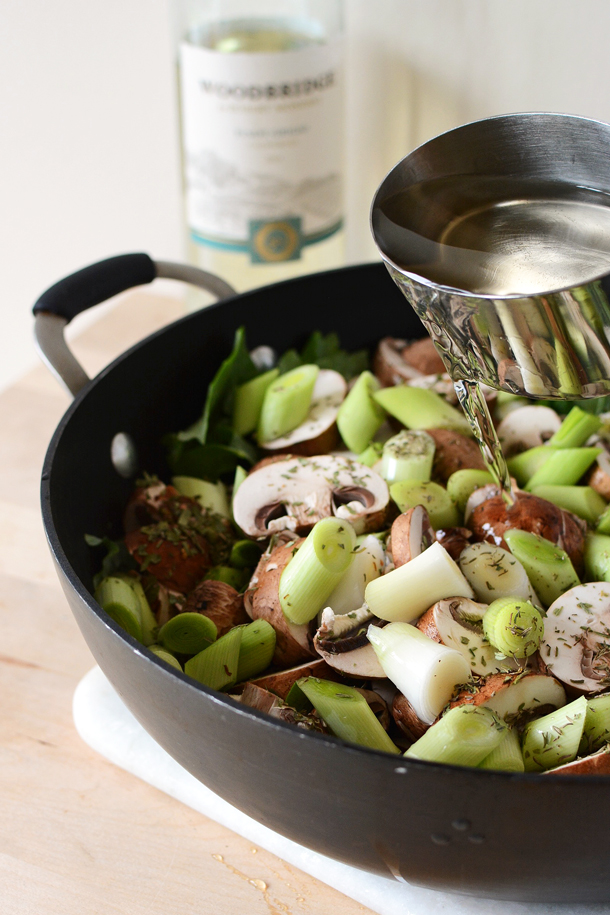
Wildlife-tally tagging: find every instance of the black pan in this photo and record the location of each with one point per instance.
(521, 837)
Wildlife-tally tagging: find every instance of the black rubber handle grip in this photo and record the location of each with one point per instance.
(95, 284)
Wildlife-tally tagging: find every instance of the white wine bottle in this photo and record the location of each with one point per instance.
(261, 96)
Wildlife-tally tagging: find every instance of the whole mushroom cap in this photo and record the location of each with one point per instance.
(489, 520)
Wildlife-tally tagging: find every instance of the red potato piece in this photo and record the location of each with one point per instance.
(178, 563)
(220, 602)
(454, 451)
(153, 503)
(489, 520)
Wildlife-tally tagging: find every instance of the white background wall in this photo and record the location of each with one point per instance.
(88, 122)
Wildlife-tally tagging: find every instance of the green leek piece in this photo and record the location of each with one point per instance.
(463, 483)
(147, 617)
(464, 736)
(435, 499)
(507, 756)
(408, 456)
(515, 627)
(234, 577)
(580, 500)
(548, 567)
(286, 403)
(240, 475)
(597, 557)
(523, 466)
(296, 699)
(565, 467)
(576, 428)
(371, 455)
(256, 649)
(164, 655)
(597, 725)
(217, 665)
(359, 416)
(419, 408)
(120, 602)
(347, 713)
(249, 401)
(245, 554)
(316, 568)
(212, 496)
(603, 522)
(187, 633)
(554, 739)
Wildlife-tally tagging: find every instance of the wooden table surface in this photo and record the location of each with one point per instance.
(78, 835)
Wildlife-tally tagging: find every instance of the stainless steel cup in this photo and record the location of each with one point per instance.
(498, 234)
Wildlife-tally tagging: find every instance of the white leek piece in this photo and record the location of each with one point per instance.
(406, 592)
(367, 564)
(426, 672)
(493, 572)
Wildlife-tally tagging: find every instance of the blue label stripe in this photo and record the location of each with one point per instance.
(244, 247)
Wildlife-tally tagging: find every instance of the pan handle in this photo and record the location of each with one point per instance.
(92, 285)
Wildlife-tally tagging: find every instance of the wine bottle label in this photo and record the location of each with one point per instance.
(263, 148)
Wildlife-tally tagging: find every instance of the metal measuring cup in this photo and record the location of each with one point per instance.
(514, 293)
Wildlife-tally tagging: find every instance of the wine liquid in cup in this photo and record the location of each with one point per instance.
(496, 237)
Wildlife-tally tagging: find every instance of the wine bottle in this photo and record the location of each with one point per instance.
(262, 137)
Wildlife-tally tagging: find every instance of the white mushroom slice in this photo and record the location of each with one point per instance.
(576, 643)
(479, 496)
(493, 572)
(343, 643)
(515, 697)
(297, 492)
(410, 535)
(527, 427)
(328, 395)
(457, 623)
(368, 563)
(599, 478)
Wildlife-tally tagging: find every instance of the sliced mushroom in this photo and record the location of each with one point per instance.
(458, 623)
(527, 427)
(477, 496)
(317, 434)
(410, 535)
(378, 706)
(389, 366)
(599, 476)
(293, 642)
(406, 718)
(280, 682)
(164, 603)
(454, 540)
(219, 602)
(492, 517)
(576, 642)
(297, 492)
(515, 697)
(595, 764)
(342, 642)
(454, 451)
(264, 701)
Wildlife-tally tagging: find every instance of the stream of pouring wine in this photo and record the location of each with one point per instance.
(475, 407)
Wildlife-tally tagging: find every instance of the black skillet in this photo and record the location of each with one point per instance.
(522, 837)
